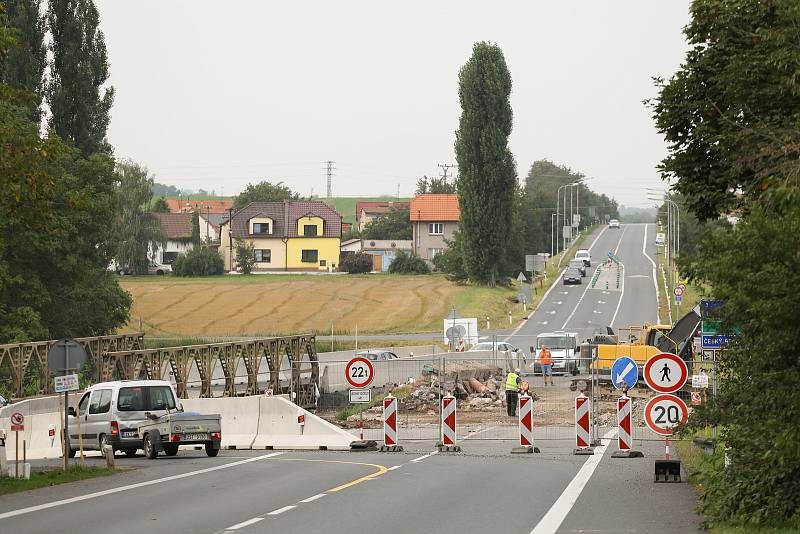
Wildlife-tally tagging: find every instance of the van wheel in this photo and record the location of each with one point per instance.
(170, 450)
(210, 450)
(103, 443)
(149, 447)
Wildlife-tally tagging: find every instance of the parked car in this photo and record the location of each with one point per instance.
(571, 276)
(377, 355)
(111, 413)
(500, 346)
(578, 264)
(159, 268)
(584, 255)
(513, 356)
(613, 223)
(660, 239)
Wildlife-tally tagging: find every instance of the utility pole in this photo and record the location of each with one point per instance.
(330, 176)
(445, 167)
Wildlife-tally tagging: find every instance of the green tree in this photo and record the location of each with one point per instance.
(23, 67)
(732, 108)
(435, 185)
(79, 103)
(196, 228)
(245, 256)
(487, 173)
(264, 191)
(160, 206)
(200, 261)
(137, 230)
(408, 263)
(396, 224)
(357, 263)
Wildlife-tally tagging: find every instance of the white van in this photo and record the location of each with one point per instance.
(111, 413)
(563, 347)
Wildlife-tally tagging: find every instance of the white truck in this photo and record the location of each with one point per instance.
(564, 351)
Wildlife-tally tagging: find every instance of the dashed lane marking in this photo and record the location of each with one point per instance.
(279, 511)
(321, 495)
(247, 523)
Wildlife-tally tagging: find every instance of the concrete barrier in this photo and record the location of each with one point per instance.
(279, 428)
(240, 418)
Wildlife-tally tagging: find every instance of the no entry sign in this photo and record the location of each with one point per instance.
(665, 373)
(665, 413)
(359, 372)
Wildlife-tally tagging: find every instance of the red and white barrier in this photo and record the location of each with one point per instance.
(448, 420)
(583, 438)
(390, 421)
(624, 439)
(525, 421)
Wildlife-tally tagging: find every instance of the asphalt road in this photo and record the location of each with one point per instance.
(483, 489)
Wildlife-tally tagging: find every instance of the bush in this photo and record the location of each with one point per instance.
(408, 263)
(200, 261)
(356, 263)
(245, 256)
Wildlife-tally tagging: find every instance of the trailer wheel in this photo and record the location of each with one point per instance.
(149, 447)
(170, 450)
(210, 450)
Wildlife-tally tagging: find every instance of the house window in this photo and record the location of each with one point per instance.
(323, 263)
(168, 257)
(309, 256)
(432, 252)
(309, 230)
(263, 255)
(435, 228)
(260, 228)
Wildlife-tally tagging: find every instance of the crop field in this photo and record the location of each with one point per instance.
(282, 304)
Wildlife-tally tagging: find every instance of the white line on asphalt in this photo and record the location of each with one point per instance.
(587, 285)
(620, 240)
(394, 467)
(243, 524)
(655, 280)
(315, 497)
(281, 510)
(419, 459)
(45, 506)
(473, 434)
(558, 512)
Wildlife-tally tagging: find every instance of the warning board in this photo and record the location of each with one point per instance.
(17, 422)
(665, 373)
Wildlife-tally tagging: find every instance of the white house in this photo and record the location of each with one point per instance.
(177, 229)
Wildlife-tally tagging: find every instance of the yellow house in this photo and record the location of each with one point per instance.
(294, 235)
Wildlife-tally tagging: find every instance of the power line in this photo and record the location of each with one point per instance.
(330, 175)
(445, 167)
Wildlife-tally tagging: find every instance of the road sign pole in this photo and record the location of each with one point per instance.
(16, 454)
(66, 408)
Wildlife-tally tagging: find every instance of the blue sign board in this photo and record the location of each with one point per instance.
(624, 368)
(706, 305)
(714, 341)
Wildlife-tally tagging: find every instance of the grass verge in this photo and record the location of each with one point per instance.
(400, 392)
(53, 477)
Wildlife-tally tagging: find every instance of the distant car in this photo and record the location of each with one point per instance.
(584, 255)
(501, 346)
(159, 269)
(660, 239)
(377, 355)
(572, 276)
(578, 264)
(613, 223)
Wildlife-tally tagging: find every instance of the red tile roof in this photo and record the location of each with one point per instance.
(435, 208)
(176, 225)
(284, 216)
(187, 205)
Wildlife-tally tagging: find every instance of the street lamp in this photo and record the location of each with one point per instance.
(558, 199)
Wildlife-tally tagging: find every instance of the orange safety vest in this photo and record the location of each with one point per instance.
(545, 357)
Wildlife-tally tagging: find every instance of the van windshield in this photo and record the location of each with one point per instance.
(558, 343)
(145, 398)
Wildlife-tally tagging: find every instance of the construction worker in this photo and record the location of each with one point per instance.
(546, 361)
(512, 391)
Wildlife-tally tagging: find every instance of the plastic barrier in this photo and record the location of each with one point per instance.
(279, 427)
(583, 438)
(449, 422)
(239, 418)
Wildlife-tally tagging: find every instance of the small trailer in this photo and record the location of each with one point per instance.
(168, 432)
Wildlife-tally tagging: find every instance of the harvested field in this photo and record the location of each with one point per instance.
(275, 304)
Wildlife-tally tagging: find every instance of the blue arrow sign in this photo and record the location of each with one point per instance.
(624, 368)
(714, 341)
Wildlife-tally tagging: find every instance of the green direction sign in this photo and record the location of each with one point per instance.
(710, 327)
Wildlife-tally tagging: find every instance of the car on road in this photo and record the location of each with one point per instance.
(660, 239)
(377, 355)
(613, 223)
(111, 412)
(514, 356)
(500, 346)
(571, 276)
(585, 256)
(578, 264)
(564, 349)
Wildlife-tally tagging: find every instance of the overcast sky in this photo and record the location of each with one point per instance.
(215, 95)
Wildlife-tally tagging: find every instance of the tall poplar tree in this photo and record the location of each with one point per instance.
(78, 101)
(23, 66)
(487, 172)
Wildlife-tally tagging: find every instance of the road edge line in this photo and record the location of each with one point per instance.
(655, 277)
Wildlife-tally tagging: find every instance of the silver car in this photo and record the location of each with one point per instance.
(111, 412)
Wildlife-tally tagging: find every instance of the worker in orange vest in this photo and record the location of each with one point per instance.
(546, 361)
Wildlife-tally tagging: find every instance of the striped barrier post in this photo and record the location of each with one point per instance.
(583, 438)
(624, 437)
(390, 425)
(449, 424)
(525, 411)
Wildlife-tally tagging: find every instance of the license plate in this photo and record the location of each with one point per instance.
(195, 437)
(130, 434)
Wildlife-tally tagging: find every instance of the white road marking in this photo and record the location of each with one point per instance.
(281, 510)
(558, 512)
(243, 524)
(552, 312)
(473, 434)
(419, 459)
(655, 280)
(601, 302)
(560, 302)
(620, 239)
(542, 322)
(321, 495)
(391, 469)
(587, 285)
(53, 504)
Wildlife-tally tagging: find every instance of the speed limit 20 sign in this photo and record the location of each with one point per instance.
(359, 372)
(665, 413)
